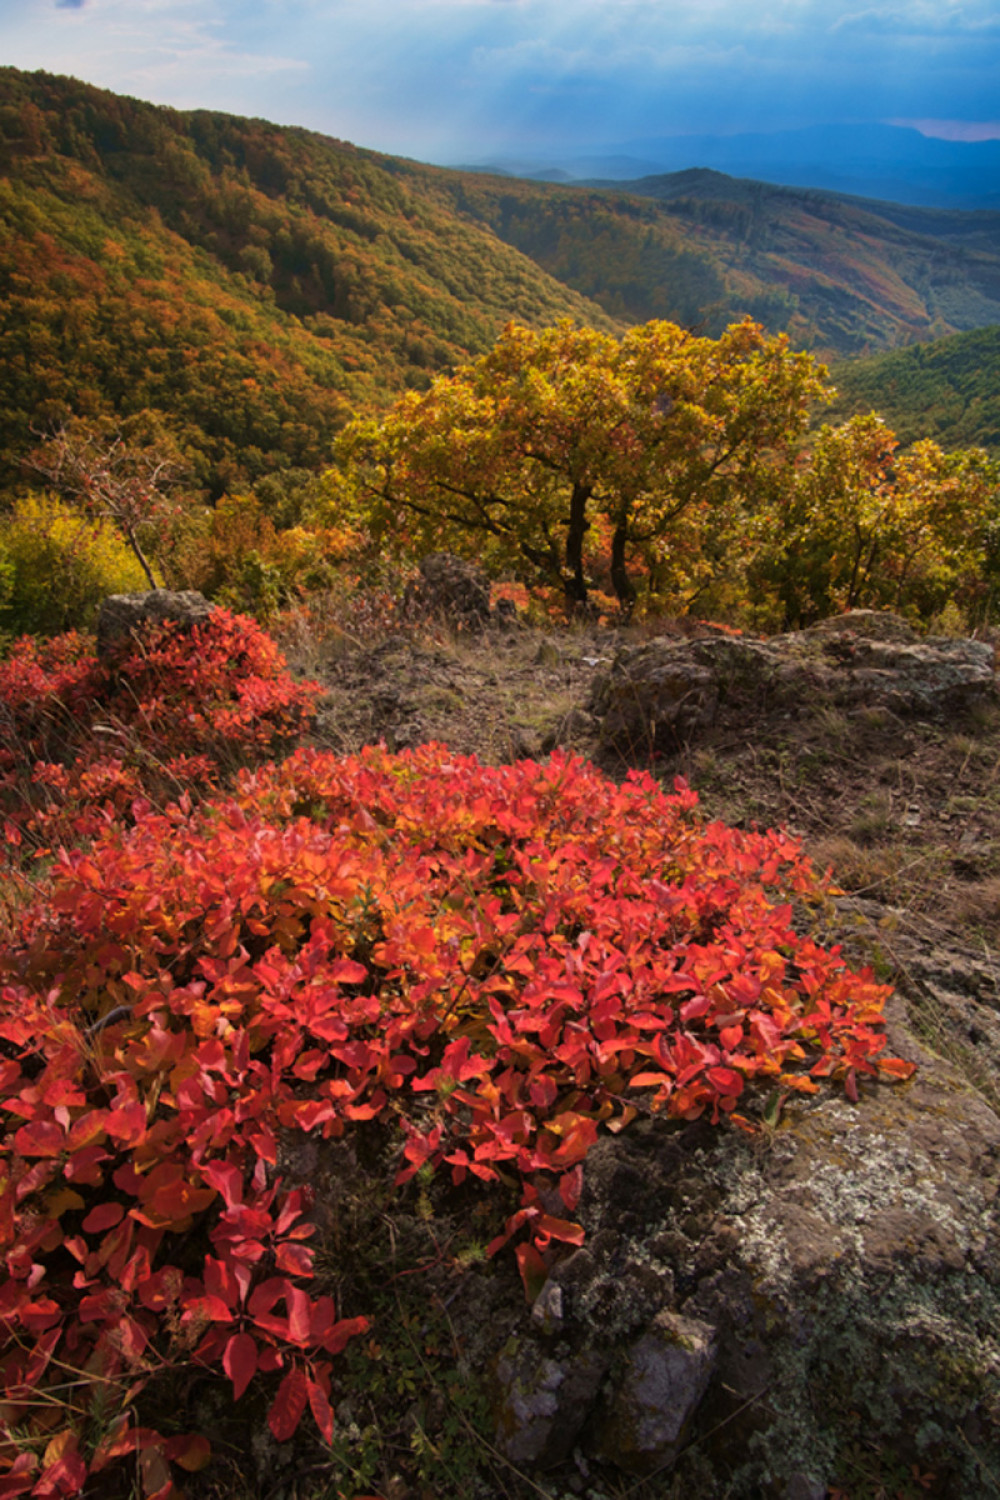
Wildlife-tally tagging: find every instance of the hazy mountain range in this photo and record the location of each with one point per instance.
(868, 161)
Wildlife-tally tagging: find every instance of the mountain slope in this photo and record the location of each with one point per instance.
(948, 390)
(257, 284)
(858, 273)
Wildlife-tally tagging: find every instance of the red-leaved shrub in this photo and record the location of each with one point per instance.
(178, 709)
(488, 965)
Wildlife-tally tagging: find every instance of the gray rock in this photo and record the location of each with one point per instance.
(662, 1381)
(543, 1401)
(121, 615)
(666, 691)
(850, 1263)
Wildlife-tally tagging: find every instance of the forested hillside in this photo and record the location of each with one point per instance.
(948, 390)
(854, 275)
(259, 285)
(255, 284)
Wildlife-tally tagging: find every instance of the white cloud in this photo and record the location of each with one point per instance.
(170, 51)
(414, 75)
(955, 130)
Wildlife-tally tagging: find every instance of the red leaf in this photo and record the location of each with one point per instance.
(534, 1272)
(104, 1216)
(346, 971)
(40, 1138)
(191, 1451)
(127, 1124)
(336, 1338)
(571, 1186)
(291, 1209)
(20, 1477)
(264, 1296)
(546, 1228)
(212, 1308)
(299, 1322)
(289, 1404)
(896, 1067)
(321, 1409)
(297, 1260)
(66, 1476)
(226, 1178)
(239, 1360)
(726, 1080)
(85, 1130)
(175, 1201)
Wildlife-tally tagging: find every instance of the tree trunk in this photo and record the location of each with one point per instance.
(574, 582)
(620, 581)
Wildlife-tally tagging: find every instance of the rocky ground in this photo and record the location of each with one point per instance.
(814, 1314)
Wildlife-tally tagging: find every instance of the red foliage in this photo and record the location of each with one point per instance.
(495, 962)
(81, 741)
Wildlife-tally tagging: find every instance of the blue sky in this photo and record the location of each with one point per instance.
(459, 80)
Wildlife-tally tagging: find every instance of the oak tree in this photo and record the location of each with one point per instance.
(657, 442)
(869, 524)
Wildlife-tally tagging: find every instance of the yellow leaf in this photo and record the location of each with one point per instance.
(63, 1200)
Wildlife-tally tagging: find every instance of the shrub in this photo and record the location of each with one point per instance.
(59, 564)
(235, 554)
(81, 740)
(485, 965)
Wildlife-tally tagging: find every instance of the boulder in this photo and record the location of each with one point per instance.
(121, 615)
(657, 695)
(543, 1400)
(662, 1378)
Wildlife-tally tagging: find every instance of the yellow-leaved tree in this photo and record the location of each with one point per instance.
(660, 446)
(868, 525)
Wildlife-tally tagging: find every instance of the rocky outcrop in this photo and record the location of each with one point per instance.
(765, 1310)
(661, 693)
(662, 1379)
(122, 614)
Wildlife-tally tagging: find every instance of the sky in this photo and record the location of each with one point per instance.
(456, 81)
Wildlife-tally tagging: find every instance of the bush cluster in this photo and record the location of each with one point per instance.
(56, 565)
(83, 741)
(484, 966)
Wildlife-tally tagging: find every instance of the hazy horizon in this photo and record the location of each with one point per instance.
(464, 80)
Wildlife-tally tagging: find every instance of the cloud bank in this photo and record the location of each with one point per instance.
(454, 79)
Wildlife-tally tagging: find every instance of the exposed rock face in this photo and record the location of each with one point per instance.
(121, 614)
(453, 589)
(762, 1308)
(666, 691)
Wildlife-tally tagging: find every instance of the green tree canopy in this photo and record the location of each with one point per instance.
(657, 446)
(868, 524)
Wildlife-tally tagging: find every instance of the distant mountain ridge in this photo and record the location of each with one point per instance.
(843, 276)
(894, 163)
